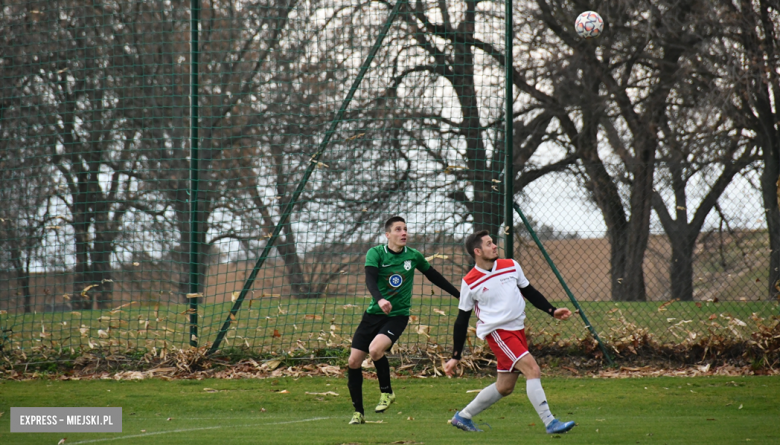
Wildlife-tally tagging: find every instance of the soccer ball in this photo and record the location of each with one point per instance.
(589, 24)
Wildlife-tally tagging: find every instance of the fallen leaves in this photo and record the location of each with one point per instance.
(423, 330)
(452, 168)
(571, 370)
(84, 291)
(663, 307)
(270, 365)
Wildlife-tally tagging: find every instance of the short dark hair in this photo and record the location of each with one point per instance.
(389, 223)
(474, 241)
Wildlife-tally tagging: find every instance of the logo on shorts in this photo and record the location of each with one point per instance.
(408, 264)
(396, 280)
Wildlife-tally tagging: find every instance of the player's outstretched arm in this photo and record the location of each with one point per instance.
(460, 332)
(372, 283)
(438, 279)
(537, 299)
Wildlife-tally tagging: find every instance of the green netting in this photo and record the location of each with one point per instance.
(96, 151)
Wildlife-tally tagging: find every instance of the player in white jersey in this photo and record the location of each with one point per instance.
(494, 290)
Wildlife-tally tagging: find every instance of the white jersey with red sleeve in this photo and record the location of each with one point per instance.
(494, 296)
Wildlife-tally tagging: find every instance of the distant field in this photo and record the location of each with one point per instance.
(704, 410)
(726, 267)
(276, 324)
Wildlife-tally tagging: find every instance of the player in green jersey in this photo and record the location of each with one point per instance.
(389, 278)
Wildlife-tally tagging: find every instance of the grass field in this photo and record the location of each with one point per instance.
(706, 410)
(282, 324)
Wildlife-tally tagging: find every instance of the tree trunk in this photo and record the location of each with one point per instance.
(681, 269)
(639, 224)
(101, 269)
(81, 278)
(23, 278)
(299, 285)
(488, 203)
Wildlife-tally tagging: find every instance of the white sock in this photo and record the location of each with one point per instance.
(484, 399)
(536, 395)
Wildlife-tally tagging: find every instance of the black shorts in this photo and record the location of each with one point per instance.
(374, 324)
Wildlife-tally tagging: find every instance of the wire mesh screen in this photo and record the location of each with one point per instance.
(96, 190)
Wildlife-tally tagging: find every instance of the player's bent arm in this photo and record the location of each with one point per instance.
(438, 279)
(372, 283)
(460, 333)
(537, 299)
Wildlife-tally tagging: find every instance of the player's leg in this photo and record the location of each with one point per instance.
(506, 357)
(530, 369)
(355, 383)
(364, 334)
(390, 331)
(505, 384)
(376, 350)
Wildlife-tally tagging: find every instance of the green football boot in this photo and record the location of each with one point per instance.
(384, 401)
(357, 419)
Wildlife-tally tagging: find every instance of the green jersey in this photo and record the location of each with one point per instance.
(396, 277)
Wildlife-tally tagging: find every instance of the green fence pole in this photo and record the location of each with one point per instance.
(302, 184)
(563, 283)
(194, 161)
(509, 236)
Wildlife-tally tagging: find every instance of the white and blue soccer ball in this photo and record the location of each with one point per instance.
(589, 25)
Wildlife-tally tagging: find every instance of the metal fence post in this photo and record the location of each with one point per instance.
(194, 160)
(509, 248)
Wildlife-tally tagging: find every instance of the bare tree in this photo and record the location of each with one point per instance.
(25, 191)
(625, 79)
(84, 126)
(698, 148)
(750, 61)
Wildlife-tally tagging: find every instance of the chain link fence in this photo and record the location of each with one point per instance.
(98, 204)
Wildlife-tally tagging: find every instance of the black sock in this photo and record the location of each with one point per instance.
(383, 374)
(355, 385)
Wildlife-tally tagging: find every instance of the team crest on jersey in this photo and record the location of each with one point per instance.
(408, 264)
(395, 280)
